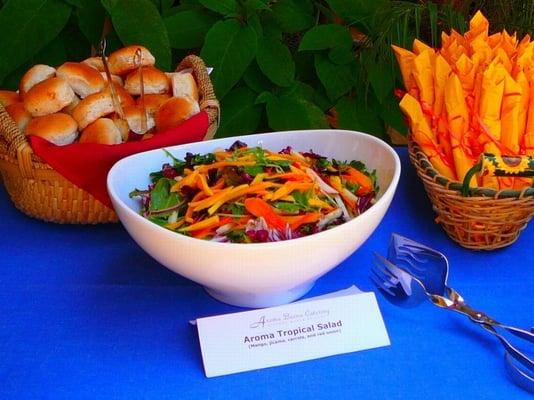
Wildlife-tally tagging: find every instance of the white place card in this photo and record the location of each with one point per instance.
(291, 333)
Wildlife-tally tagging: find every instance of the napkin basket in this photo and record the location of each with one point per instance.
(41, 192)
(486, 219)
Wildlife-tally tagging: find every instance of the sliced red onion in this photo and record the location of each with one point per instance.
(325, 187)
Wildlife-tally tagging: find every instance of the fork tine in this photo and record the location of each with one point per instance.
(384, 266)
(380, 285)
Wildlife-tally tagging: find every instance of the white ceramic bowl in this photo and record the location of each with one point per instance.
(257, 274)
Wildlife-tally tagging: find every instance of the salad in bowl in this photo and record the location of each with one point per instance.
(256, 219)
(253, 195)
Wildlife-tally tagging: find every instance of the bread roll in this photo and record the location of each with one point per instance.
(70, 108)
(82, 78)
(122, 61)
(102, 131)
(153, 102)
(33, 76)
(122, 126)
(59, 128)
(183, 85)
(8, 97)
(134, 117)
(19, 115)
(48, 97)
(154, 81)
(114, 78)
(95, 62)
(93, 107)
(175, 111)
(125, 98)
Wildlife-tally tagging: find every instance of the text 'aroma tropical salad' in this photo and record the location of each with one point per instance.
(252, 195)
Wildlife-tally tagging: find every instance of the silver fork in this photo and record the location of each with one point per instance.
(432, 268)
(398, 286)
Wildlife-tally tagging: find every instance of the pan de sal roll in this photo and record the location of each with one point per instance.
(183, 85)
(48, 97)
(93, 107)
(58, 128)
(82, 78)
(102, 131)
(8, 97)
(33, 76)
(134, 116)
(122, 61)
(122, 126)
(114, 78)
(19, 115)
(175, 111)
(153, 102)
(95, 62)
(154, 81)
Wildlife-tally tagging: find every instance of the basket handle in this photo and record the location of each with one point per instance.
(208, 101)
(13, 136)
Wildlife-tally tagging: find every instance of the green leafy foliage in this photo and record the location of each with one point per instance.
(277, 65)
(139, 22)
(275, 61)
(241, 115)
(187, 29)
(229, 48)
(27, 27)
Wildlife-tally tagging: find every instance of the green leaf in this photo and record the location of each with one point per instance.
(361, 13)
(241, 115)
(161, 196)
(74, 3)
(229, 48)
(341, 54)
(293, 15)
(76, 44)
(392, 115)
(337, 79)
(276, 62)
(356, 115)
(255, 79)
(264, 97)
(27, 26)
(108, 4)
(224, 7)
(327, 36)
(187, 29)
(91, 17)
(292, 112)
(382, 79)
(139, 22)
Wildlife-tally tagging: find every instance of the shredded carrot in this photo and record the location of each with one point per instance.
(355, 176)
(260, 208)
(204, 224)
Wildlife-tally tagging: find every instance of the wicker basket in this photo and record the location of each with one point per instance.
(486, 219)
(40, 192)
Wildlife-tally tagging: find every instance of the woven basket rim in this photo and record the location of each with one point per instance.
(425, 167)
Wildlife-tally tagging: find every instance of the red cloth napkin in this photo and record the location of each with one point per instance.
(87, 165)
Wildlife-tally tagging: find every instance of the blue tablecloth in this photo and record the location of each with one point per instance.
(85, 313)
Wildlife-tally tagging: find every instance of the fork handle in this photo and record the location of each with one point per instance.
(522, 333)
(515, 353)
(481, 317)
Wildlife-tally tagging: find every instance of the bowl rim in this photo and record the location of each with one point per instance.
(257, 136)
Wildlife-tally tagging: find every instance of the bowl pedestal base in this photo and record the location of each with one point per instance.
(269, 299)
